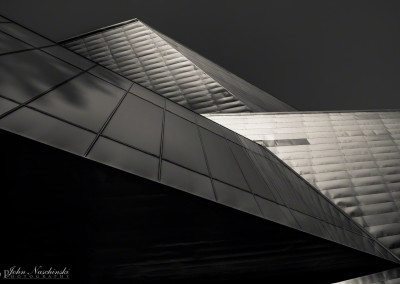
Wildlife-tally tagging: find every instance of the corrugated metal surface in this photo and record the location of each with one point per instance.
(391, 276)
(351, 157)
(151, 59)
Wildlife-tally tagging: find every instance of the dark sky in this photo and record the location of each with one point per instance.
(314, 55)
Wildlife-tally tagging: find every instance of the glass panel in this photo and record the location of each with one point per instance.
(288, 188)
(6, 105)
(137, 123)
(27, 74)
(25, 35)
(9, 44)
(69, 56)
(111, 77)
(308, 224)
(181, 111)
(86, 101)
(311, 204)
(182, 144)
(236, 198)
(124, 158)
(148, 95)
(273, 178)
(221, 160)
(186, 180)
(251, 174)
(48, 130)
(276, 213)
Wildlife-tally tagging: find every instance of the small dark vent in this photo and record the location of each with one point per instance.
(286, 142)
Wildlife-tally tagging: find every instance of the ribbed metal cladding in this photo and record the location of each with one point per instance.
(391, 276)
(61, 99)
(151, 59)
(353, 158)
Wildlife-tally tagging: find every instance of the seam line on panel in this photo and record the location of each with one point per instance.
(9, 99)
(25, 50)
(44, 93)
(136, 55)
(267, 185)
(109, 51)
(61, 119)
(128, 145)
(238, 188)
(206, 160)
(52, 55)
(162, 140)
(95, 64)
(282, 163)
(166, 65)
(40, 48)
(245, 179)
(172, 162)
(106, 122)
(89, 56)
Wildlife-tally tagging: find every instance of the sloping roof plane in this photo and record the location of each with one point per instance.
(157, 62)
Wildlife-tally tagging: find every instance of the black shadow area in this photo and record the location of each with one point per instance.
(108, 226)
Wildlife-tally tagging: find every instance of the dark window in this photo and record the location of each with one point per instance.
(286, 142)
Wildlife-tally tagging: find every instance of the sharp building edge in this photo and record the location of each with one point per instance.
(157, 62)
(57, 97)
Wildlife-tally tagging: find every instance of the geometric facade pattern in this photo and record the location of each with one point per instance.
(60, 98)
(85, 109)
(353, 158)
(146, 57)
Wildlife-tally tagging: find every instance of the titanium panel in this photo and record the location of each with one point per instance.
(353, 158)
(137, 129)
(153, 60)
(391, 276)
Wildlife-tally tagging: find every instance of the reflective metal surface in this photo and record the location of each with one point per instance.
(137, 123)
(10, 44)
(23, 34)
(353, 158)
(94, 115)
(182, 143)
(124, 157)
(41, 72)
(391, 276)
(102, 116)
(86, 101)
(48, 130)
(153, 60)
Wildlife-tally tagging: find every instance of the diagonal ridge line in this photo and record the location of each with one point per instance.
(106, 122)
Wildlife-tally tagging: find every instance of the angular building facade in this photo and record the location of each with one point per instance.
(194, 200)
(353, 158)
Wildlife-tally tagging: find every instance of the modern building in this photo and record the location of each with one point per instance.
(148, 187)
